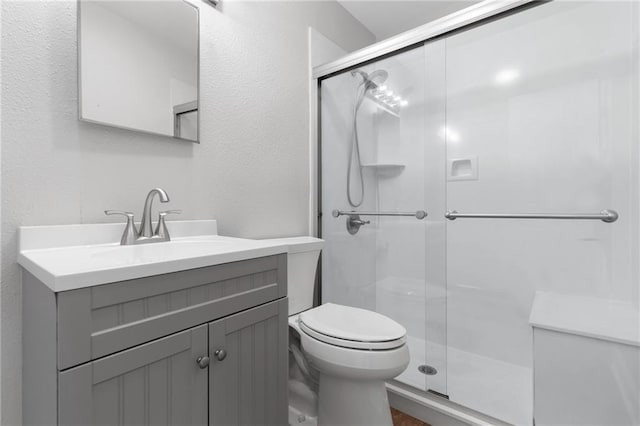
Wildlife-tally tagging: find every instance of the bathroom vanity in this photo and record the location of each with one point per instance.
(191, 331)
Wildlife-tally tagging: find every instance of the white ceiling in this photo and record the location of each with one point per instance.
(390, 17)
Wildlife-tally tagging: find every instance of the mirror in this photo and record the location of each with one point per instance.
(139, 65)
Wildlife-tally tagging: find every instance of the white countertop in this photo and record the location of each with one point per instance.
(69, 257)
(597, 318)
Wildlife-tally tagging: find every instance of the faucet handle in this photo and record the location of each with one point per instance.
(120, 212)
(161, 228)
(166, 212)
(130, 232)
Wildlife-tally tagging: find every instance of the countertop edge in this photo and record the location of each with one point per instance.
(80, 280)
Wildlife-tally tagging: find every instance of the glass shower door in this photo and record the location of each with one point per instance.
(535, 112)
(377, 161)
(545, 123)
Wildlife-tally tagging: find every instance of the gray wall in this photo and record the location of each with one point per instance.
(250, 172)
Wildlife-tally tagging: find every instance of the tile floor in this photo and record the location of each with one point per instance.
(402, 419)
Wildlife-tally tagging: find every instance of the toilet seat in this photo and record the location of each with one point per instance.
(352, 328)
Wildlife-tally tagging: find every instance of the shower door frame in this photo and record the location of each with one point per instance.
(477, 14)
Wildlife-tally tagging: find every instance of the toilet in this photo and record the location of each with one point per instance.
(340, 356)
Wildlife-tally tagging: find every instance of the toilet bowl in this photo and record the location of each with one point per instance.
(348, 353)
(354, 352)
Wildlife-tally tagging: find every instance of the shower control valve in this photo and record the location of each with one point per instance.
(354, 223)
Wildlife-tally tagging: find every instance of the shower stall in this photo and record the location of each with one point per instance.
(517, 137)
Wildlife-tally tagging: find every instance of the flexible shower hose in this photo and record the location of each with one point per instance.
(355, 147)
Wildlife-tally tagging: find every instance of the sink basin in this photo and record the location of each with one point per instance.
(76, 256)
(145, 253)
(180, 248)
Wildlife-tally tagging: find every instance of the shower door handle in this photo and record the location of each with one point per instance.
(607, 216)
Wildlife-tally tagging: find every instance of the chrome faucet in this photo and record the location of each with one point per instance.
(146, 234)
(146, 228)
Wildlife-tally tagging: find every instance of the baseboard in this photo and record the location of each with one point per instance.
(435, 410)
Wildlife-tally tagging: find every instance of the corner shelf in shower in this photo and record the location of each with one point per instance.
(384, 169)
(383, 107)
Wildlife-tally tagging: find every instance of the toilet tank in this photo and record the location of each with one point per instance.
(302, 262)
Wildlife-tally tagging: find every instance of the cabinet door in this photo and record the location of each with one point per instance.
(158, 383)
(248, 381)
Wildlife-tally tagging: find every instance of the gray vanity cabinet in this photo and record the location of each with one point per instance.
(195, 347)
(157, 383)
(248, 381)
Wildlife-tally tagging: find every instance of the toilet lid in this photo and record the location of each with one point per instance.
(352, 327)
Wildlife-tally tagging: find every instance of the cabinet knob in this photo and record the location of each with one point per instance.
(203, 361)
(220, 354)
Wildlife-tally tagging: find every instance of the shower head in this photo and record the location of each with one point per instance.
(378, 77)
(373, 80)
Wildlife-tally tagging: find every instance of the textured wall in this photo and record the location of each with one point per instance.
(250, 172)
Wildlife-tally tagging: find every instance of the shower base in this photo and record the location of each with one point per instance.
(496, 388)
